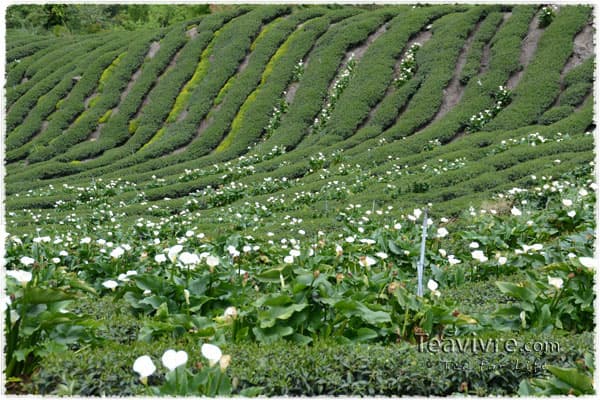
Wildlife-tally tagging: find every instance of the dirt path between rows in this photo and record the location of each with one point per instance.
(154, 47)
(421, 38)
(583, 48)
(453, 93)
(192, 32)
(487, 49)
(528, 48)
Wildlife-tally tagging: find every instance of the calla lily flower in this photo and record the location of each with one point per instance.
(173, 359)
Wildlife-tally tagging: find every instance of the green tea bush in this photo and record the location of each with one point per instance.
(555, 114)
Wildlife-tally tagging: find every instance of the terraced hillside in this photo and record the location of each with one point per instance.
(290, 127)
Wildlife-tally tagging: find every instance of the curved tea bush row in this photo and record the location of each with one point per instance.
(540, 84)
(577, 84)
(341, 14)
(17, 70)
(220, 72)
(21, 140)
(52, 75)
(29, 48)
(107, 97)
(374, 72)
(488, 28)
(163, 95)
(47, 63)
(290, 62)
(149, 86)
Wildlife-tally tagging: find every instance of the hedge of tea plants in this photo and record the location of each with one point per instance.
(188, 208)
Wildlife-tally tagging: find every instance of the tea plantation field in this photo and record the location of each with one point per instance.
(235, 205)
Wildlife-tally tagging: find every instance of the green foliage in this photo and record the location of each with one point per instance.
(89, 18)
(555, 114)
(324, 368)
(563, 381)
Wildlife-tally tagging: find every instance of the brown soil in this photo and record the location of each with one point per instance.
(96, 134)
(455, 90)
(583, 48)
(360, 50)
(154, 47)
(421, 38)
(182, 115)
(192, 32)
(169, 68)
(527, 51)
(487, 49)
(87, 100)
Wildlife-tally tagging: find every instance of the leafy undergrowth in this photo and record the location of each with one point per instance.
(128, 291)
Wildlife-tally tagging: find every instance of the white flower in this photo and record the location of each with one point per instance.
(173, 251)
(567, 202)
(110, 284)
(144, 367)
(442, 232)
(338, 250)
(233, 252)
(23, 277)
(515, 211)
(478, 255)
(295, 253)
(572, 213)
(55, 260)
(288, 259)
(556, 282)
(442, 252)
(212, 353)
(189, 234)
(432, 286)
(187, 258)
(583, 192)
(212, 261)
(453, 260)
(173, 359)
(85, 240)
(367, 261)
(381, 255)
(117, 252)
(502, 260)
(230, 313)
(587, 262)
(160, 258)
(397, 226)
(417, 213)
(474, 245)
(350, 239)
(63, 253)
(27, 260)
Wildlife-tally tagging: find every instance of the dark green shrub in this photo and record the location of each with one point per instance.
(555, 114)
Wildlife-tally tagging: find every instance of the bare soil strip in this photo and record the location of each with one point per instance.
(192, 32)
(154, 47)
(421, 38)
(583, 48)
(487, 49)
(455, 90)
(527, 51)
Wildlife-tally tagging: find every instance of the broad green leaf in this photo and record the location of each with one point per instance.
(354, 308)
(518, 292)
(37, 295)
(574, 378)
